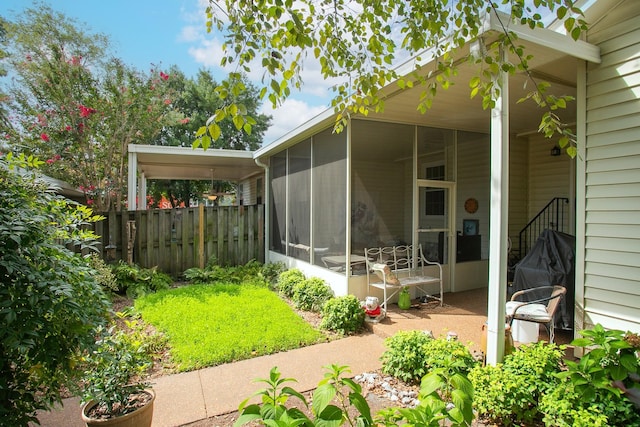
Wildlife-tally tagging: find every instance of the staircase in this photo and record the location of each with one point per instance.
(554, 216)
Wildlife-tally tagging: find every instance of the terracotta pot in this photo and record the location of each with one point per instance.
(139, 418)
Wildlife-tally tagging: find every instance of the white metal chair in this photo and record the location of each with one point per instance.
(541, 310)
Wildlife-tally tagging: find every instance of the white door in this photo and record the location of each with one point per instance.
(434, 220)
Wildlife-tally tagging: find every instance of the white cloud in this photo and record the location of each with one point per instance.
(291, 114)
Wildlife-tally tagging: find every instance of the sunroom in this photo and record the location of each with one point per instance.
(459, 180)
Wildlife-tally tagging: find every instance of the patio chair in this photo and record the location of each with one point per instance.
(538, 305)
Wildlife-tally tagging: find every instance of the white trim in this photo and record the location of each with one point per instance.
(499, 221)
(132, 182)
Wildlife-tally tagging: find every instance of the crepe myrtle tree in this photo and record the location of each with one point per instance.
(77, 107)
(358, 42)
(50, 301)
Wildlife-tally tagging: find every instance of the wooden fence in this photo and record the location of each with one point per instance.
(177, 239)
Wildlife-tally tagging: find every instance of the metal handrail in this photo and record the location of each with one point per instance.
(553, 216)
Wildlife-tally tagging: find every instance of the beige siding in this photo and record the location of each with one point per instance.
(549, 176)
(612, 174)
(473, 180)
(518, 189)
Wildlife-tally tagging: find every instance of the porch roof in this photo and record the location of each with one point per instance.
(161, 162)
(555, 59)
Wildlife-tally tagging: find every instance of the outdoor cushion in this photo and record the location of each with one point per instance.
(386, 274)
(536, 312)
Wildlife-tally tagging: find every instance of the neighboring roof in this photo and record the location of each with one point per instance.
(555, 59)
(63, 187)
(161, 162)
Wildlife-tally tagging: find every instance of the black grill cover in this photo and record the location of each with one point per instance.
(550, 262)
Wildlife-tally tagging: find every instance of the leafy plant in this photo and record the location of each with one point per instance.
(271, 271)
(113, 372)
(334, 387)
(597, 379)
(509, 393)
(311, 294)
(439, 351)
(405, 357)
(198, 275)
(104, 273)
(445, 394)
(251, 272)
(136, 281)
(288, 280)
(50, 301)
(342, 314)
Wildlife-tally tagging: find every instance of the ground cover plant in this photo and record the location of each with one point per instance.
(218, 323)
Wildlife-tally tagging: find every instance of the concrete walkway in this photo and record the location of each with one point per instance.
(192, 396)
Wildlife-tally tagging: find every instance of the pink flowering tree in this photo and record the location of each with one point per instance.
(77, 108)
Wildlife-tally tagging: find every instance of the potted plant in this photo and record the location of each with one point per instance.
(114, 391)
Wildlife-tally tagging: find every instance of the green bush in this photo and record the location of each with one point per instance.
(252, 272)
(437, 353)
(50, 300)
(509, 393)
(594, 382)
(562, 407)
(405, 357)
(311, 294)
(342, 314)
(104, 273)
(201, 276)
(136, 281)
(271, 271)
(288, 280)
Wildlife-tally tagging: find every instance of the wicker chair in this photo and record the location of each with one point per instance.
(541, 310)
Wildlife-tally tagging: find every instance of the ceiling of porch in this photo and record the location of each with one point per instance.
(158, 162)
(454, 109)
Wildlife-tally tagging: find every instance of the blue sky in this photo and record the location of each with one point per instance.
(167, 32)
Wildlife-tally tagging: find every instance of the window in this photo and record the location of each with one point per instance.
(434, 197)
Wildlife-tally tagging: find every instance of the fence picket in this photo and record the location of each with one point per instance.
(170, 238)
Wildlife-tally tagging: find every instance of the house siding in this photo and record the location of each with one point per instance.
(611, 258)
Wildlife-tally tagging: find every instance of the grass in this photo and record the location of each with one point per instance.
(212, 324)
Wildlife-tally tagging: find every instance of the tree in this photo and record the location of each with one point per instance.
(197, 100)
(50, 301)
(358, 42)
(78, 107)
(4, 119)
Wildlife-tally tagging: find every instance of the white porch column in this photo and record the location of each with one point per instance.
(142, 192)
(498, 231)
(132, 183)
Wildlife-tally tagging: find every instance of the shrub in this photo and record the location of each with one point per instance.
(510, 392)
(201, 276)
(405, 357)
(271, 271)
(562, 407)
(136, 281)
(311, 294)
(51, 303)
(342, 314)
(104, 273)
(437, 353)
(288, 280)
(594, 381)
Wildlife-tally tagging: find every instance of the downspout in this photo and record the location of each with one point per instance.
(267, 199)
